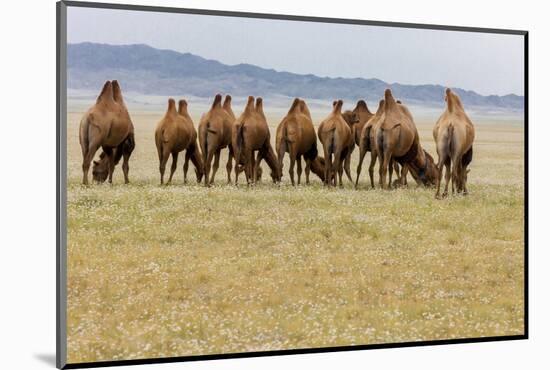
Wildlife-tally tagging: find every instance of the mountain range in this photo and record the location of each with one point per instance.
(149, 71)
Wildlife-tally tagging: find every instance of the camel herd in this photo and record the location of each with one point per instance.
(390, 135)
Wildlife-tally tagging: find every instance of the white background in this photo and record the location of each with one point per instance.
(27, 194)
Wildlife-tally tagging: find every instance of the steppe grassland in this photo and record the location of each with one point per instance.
(183, 270)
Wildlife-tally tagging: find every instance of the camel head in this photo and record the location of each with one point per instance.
(350, 117)
(100, 169)
(426, 174)
(199, 172)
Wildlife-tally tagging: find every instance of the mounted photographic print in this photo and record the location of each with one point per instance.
(236, 184)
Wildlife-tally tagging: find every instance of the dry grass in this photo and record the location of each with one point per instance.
(183, 270)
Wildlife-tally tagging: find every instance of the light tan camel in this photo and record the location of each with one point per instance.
(106, 124)
(454, 135)
(175, 133)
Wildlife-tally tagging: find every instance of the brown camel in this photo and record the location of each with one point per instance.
(367, 143)
(454, 135)
(251, 134)
(296, 135)
(227, 107)
(335, 135)
(351, 119)
(214, 135)
(175, 133)
(397, 138)
(106, 124)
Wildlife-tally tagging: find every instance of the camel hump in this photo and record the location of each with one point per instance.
(217, 101)
(337, 106)
(182, 107)
(362, 105)
(227, 102)
(249, 103)
(381, 105)
(390, 101)
(171, 106)
(117, 92)
(453, 100)
(106, 93)
(259, 104)
(294, 106)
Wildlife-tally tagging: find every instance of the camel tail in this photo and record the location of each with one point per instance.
(209, 137)
(240, 137)
(450, 131)
(380, 143)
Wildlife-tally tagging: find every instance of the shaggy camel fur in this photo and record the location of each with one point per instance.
(175, 133)
(296, 135)
(454, 135)
(214, 135)
(397, 138)
(335, 135)
(251, 134)
(106, 124)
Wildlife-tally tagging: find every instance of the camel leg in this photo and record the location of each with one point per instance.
(87, 160)
(111, 162)
(328, 166)
(447, 177)
(248, 165)
(291, 169)
(186, 165)
(216, 165)
(438, 184)
(397, 171)
(299, 168)
(459, 183)
(338, 165)
(236, 170)
(307, 170)
(390, 174)
(386, 160)
(162, 165)
(455, 173)
(362, 152)
(173, 166)
(229, 164)
(347, 165)
(125, 167)
(207, 166)
(256, 165)
(373, 157)
(281, 150)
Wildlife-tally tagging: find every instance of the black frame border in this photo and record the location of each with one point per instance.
(61, 143)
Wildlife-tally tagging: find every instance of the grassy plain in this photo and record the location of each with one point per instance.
(184, 270)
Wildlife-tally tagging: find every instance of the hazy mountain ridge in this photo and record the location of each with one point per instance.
(150, 71)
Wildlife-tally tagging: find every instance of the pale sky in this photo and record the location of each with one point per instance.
(485, 63)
